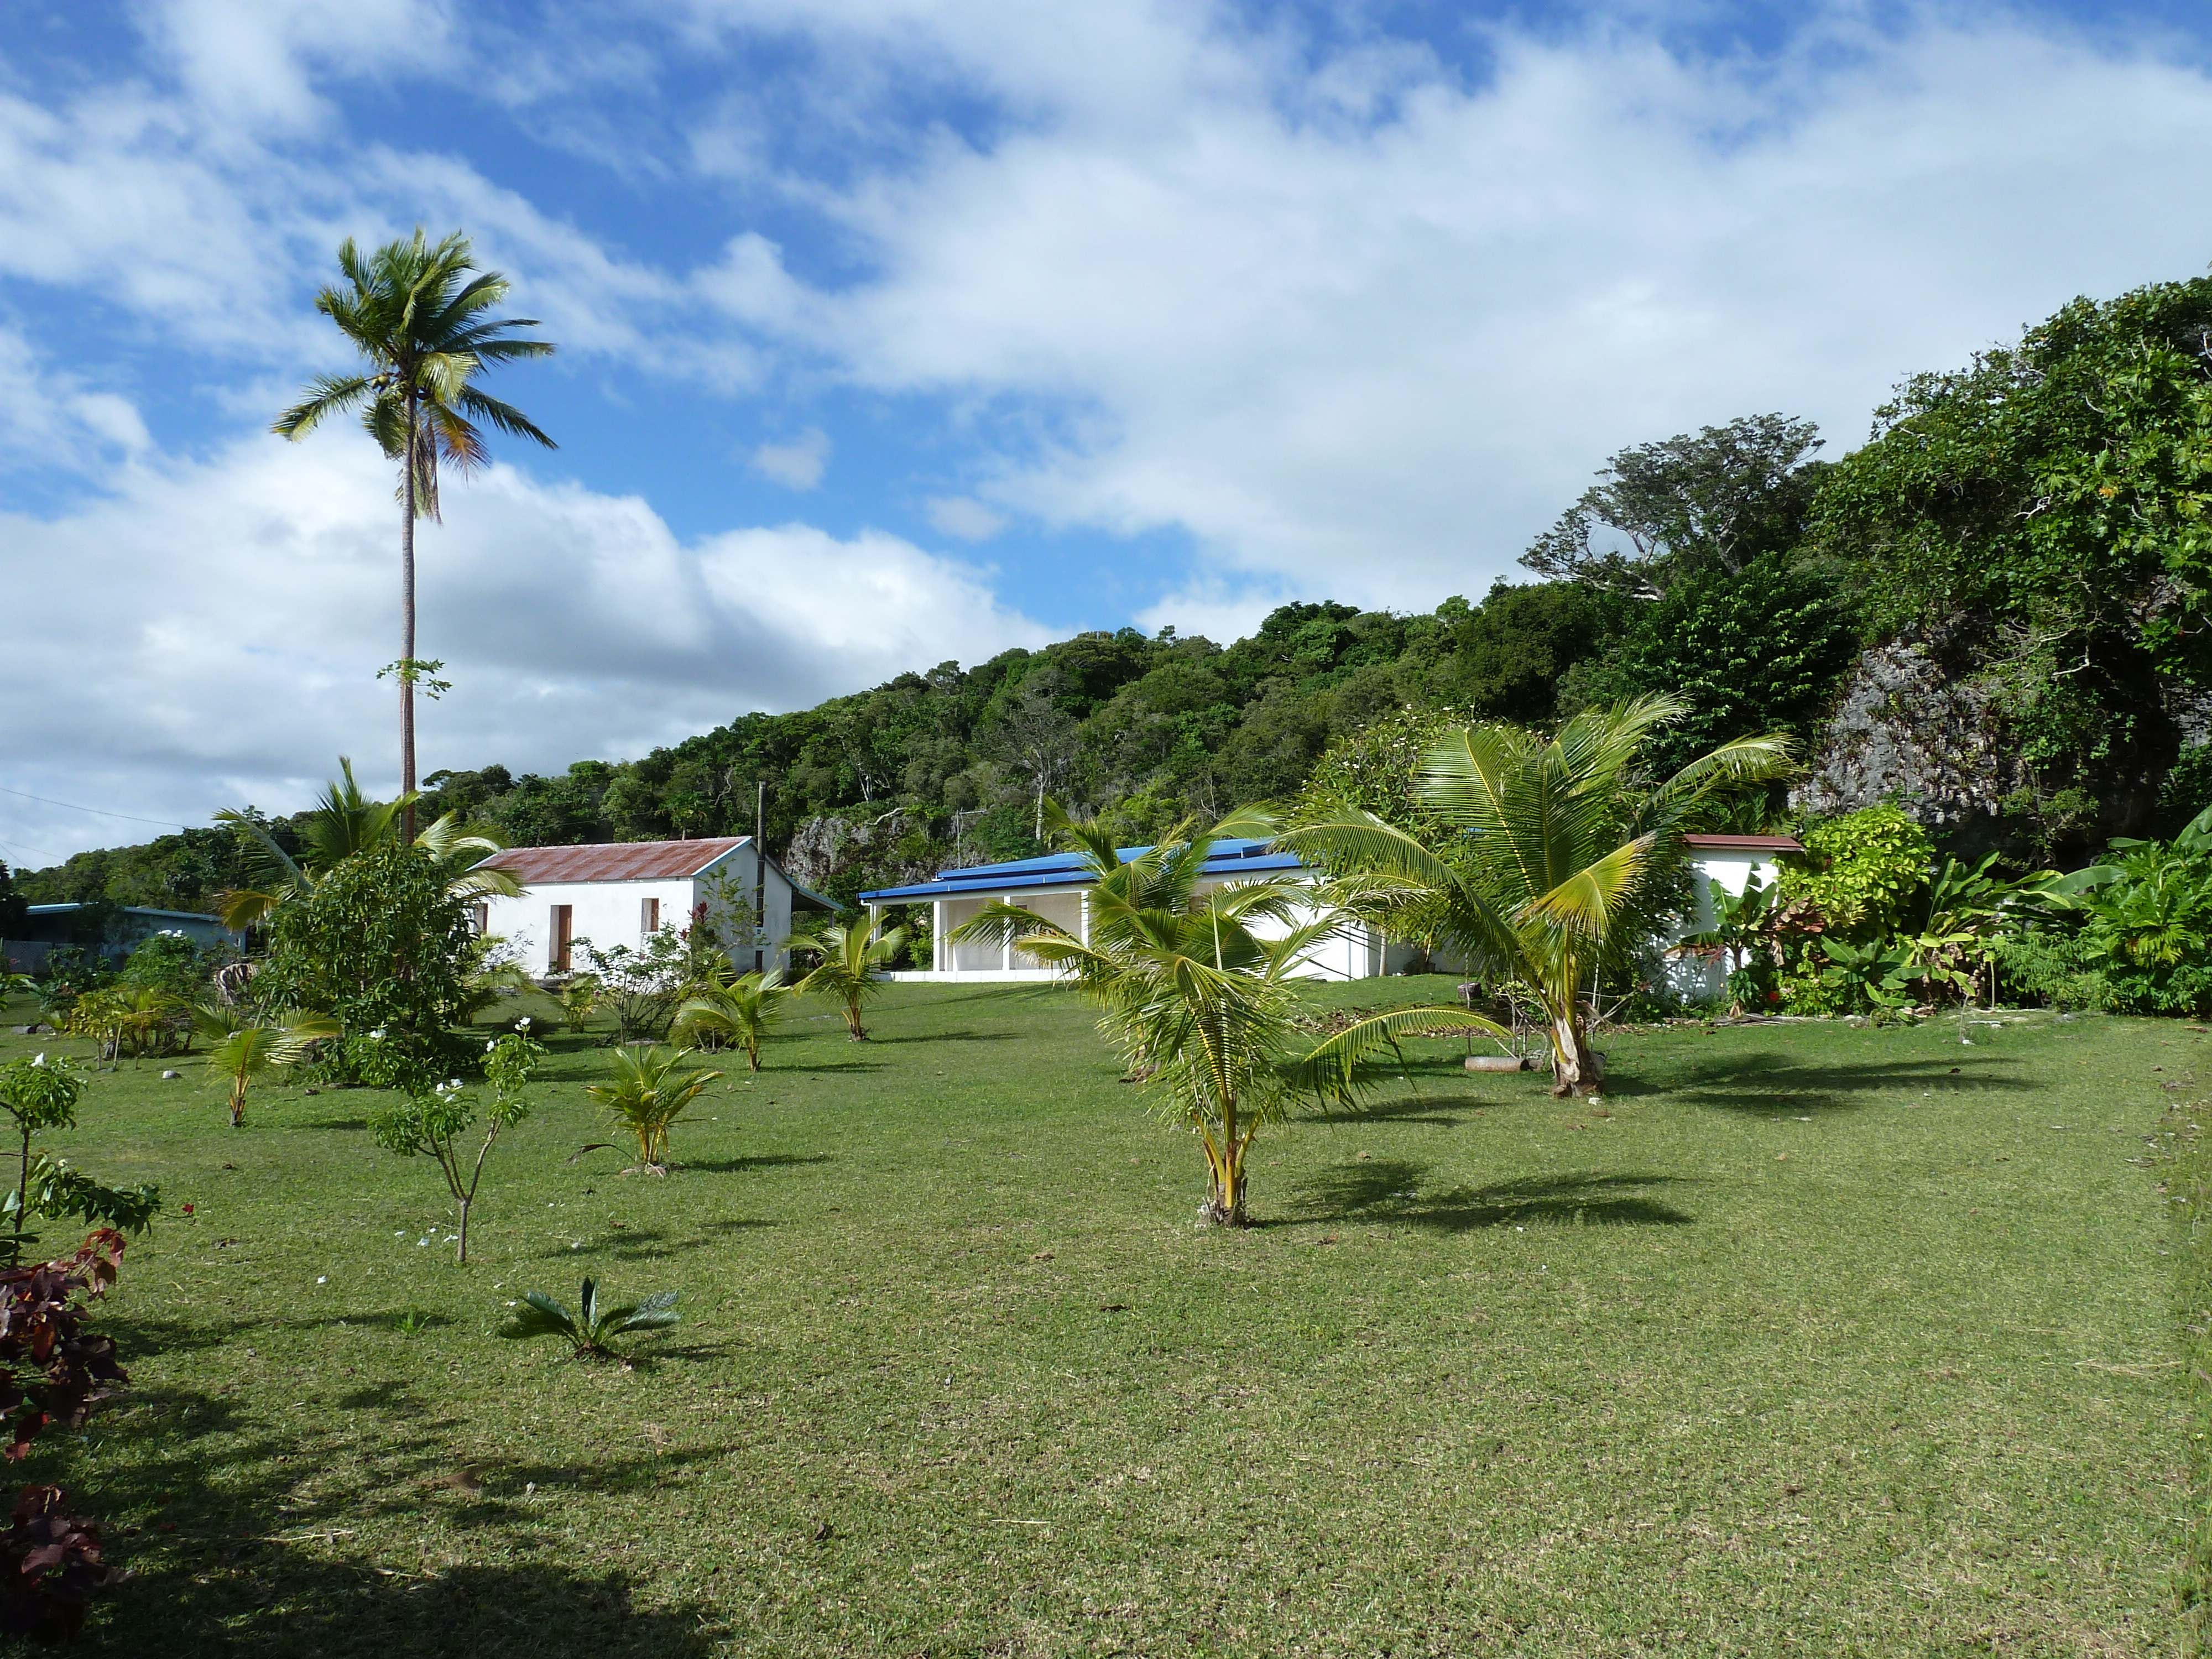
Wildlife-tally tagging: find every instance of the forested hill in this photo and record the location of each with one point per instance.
(1998, 611)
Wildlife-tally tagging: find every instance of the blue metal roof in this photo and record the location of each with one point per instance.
(1226, 858)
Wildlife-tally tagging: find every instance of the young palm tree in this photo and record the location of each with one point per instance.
(648, 1094)
(850, 962)
(242, 1047)
(343, 822)
(424, 325)
(1195, 988)
(1563, 863)
(737, 1015)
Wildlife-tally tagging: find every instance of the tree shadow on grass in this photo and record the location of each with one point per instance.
(1391, 1190)
(757, 1161)
(237, 1539)
(951, 1036)
(1765, 1083)
(831, 1065)
(1435, 1111)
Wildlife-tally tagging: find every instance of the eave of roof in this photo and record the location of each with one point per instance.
(1744, 843)
(621, 860)
(1067, 870)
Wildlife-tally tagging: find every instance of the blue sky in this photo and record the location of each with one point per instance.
(894, 331)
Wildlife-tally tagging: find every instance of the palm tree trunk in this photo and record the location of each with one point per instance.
(407, 628)
(1575, 1068)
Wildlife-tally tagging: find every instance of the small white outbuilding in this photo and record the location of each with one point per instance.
(623, 892)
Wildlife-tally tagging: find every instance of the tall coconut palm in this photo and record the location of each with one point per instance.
(1194, 987)
(413, 312)
(1563, 861)
(343, 822)
(851, 958)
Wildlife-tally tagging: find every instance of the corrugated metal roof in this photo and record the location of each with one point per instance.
(622, 861)
(1228, 858)
(1743, 843)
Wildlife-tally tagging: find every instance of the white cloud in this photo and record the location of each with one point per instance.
(1368, 348)
(798, 465)
(209, 634)
(965, 517)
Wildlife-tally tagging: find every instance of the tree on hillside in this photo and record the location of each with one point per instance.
(1557, 864)
(1715, 498)
(423, 322)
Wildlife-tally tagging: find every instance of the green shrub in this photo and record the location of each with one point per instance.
(380, 945)
(1860, 871)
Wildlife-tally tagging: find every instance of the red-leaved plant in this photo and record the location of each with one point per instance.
(53, 1372)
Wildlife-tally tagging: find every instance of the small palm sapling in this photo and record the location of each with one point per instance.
(241, 1047)
(586, 1329)
(434, 1120)
(648, 1094)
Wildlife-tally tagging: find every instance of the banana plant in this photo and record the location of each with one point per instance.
(1877, 974)
(588, 1329)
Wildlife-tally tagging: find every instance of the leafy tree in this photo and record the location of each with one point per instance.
(15, 909)
(381, 942)
(1715, 500)
(342, 823)
(242, 1047)
(850, 959)
(643, 985)
(424, 325)
(648, 1094)
(1561, 866)
(590, 1330)
(432, 1122)
(1199, 998)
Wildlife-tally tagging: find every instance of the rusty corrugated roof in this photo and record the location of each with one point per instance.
(620, 860)
(1745, 843)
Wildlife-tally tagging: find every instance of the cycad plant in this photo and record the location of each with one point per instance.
(735, 1015)
(243, 1045)
(423, 322)
(648, 1093)
(1560, 860)
(1194, 983)
(589, 1328)
(850, 959)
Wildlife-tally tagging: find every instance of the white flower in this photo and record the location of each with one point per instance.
(325, 1280)
(378, 1033)
(522, 1024)
(488, 1047)
(40, 1061)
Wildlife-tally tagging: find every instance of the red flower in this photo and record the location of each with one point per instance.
(188, 1209)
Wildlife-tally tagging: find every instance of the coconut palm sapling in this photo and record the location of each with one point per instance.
(1560, 862)
(738, 1015)
(648, 1093)
(241, 1045)
(851, 958)
(1194, 985)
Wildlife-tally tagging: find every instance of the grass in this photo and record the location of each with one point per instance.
(1808, 1340)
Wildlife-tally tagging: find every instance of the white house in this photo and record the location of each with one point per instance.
(1731, 860)
(1053, 887)
(620, 892)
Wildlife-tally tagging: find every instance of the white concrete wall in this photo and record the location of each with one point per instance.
(608, 913)
(1708, 981)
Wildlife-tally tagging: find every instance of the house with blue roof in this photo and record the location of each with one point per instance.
(1053, 887)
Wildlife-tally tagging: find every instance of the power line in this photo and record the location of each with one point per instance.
(99, 812)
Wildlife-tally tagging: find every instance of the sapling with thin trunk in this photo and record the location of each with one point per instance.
(435, 1121)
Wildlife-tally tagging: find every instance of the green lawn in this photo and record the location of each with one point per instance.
(1807, 1340)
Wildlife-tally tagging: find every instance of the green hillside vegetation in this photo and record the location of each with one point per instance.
(2030, 526)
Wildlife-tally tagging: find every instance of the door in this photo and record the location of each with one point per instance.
(563, 932)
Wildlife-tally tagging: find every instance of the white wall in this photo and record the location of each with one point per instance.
(608, 913)
(1687, 975)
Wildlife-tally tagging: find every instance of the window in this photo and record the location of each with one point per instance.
(480, 919)
(649, 916)
(561, 935)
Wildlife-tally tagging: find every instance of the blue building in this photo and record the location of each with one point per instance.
(107, 932)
